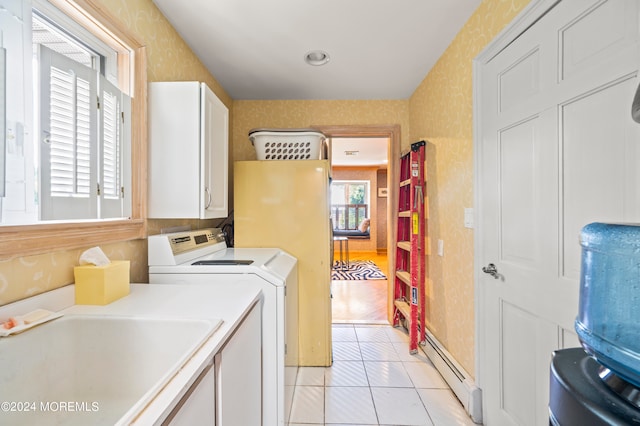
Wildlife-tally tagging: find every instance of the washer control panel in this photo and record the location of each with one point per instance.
(180, 247)
(183, 242)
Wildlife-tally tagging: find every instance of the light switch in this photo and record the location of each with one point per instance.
(440, 248)
(468, 218)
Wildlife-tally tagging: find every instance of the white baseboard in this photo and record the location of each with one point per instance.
(456, 377)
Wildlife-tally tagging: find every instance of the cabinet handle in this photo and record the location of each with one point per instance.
(208, 192)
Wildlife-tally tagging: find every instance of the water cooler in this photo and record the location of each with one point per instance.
(599, 384)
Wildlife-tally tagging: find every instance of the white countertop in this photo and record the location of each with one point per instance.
(229, 304)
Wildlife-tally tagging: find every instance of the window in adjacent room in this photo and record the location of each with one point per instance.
(349, 203)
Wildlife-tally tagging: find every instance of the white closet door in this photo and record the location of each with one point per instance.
(557, 150)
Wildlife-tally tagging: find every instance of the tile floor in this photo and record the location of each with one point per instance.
(374, 381)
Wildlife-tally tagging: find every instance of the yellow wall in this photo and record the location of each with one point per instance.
(441, 112)
(168, 58)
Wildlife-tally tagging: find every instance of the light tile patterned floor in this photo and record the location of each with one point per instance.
(374, 381)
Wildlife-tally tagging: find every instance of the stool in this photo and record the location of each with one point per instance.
(344, 263)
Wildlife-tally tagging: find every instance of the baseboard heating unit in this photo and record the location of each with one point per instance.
(456, 377)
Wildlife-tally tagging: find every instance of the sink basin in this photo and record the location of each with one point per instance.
(98, 370)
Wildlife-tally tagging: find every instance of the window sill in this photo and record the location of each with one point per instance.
(26, 240)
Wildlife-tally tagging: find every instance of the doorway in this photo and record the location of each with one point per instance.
(365, 300)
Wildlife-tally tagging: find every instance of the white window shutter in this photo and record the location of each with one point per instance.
(127, 165)
(68, 138)
(113, 147)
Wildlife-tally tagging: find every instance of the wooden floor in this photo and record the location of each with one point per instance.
(361, 301)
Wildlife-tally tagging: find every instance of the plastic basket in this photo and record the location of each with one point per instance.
(289, 144)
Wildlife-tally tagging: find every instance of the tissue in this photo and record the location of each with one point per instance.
(94, 256)
(99, 281)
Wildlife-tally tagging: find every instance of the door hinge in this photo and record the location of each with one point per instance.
(122, 115)
(98, 185)
(98, 101)
(122, 191)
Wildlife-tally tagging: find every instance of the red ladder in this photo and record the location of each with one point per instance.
(409, 293)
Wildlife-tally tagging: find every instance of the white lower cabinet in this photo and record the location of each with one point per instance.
(229, 391)
(198, 406)
(239, 375)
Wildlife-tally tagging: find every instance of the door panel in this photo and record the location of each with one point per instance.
(600, 181)
(568, 338)
(522, 386)
(518, 198)
(520, 81)
(581, 47)
(517, 328)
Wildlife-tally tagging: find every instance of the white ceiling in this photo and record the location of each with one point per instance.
(358, 152)
(379, 49)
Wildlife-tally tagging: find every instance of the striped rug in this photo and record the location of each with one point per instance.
(358, 270)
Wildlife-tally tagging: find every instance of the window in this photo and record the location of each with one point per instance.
(81, 128)
(117, 58)
(349, 203)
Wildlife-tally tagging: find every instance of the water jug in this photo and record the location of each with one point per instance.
(608, 322)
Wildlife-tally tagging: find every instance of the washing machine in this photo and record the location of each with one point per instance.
(201, 257)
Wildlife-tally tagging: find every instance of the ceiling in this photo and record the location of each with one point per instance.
(359, 152)
(378, 49)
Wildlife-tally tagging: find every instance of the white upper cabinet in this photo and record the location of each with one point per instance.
(188, 151)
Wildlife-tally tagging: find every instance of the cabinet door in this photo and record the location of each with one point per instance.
(214, 156)
(197, 408)
(239, 374)
(174, 149)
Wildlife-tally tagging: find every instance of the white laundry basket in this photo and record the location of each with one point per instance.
(288, 144)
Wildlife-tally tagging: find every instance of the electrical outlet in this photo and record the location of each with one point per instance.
(468, 218)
